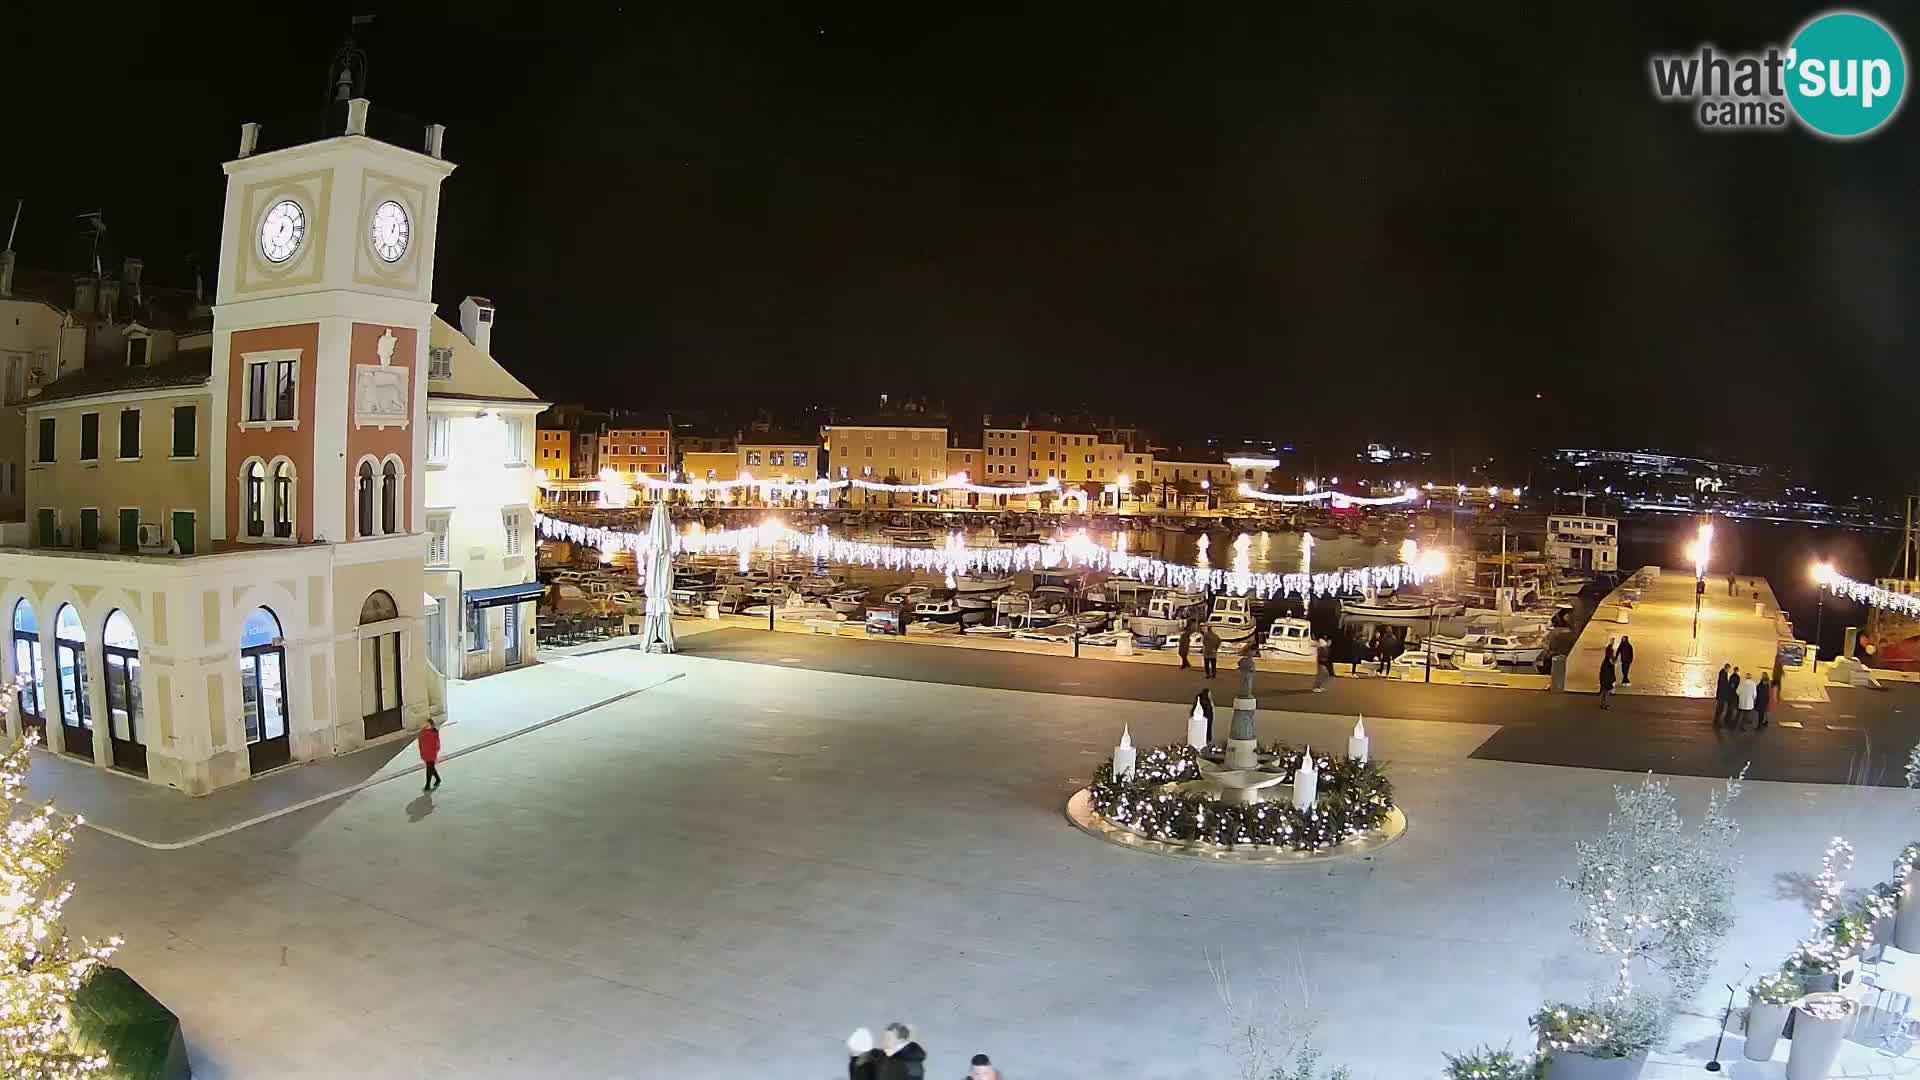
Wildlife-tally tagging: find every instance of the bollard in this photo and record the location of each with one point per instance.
(1559, 674)
(712, 610)
(1757, 606)
(1123, 645)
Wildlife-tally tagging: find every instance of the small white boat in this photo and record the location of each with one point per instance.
(848, 601)
(771, 592)
(1507, 649)
(911, 537)
(942, 609)
(1401, 607)
(982, 585)
(1167, 614)
(806, 611)
(1290, 638)
(1230, 618)
(913, 592)
(1001, 631)
(931, 627)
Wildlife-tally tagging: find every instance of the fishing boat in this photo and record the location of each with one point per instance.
(848, 601)
(1001, 630)
(927, 627)
(937, 609)
(1066, 628)
(1167, 615)
(1291, 638)
(1401, 607)
(1018, 536)
(1230, 618)
(913, 592)
(1500, 648)
(982, 584)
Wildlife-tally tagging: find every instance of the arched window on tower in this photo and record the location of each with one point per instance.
(256, 495)
(283, 500)
(365, 499)
(390, 497)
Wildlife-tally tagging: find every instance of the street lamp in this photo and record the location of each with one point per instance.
(1206, 489)
(1823, 577)
(1699, 551)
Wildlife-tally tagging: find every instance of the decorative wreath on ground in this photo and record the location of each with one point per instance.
(1353, 798)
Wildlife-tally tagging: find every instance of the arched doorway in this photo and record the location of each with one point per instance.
(263, 690)
(26, 663)
(70, 669)
(380, 690)
(120, 647)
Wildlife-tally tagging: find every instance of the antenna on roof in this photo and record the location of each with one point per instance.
(99, 225)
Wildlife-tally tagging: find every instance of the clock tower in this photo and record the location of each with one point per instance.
(320, 329)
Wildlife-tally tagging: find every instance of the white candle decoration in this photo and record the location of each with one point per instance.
(1124, 755)
(1305, 782)
(1357, 742)
(1197, 728)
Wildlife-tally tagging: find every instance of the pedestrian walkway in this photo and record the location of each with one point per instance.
(1660, 625)
(482, 712)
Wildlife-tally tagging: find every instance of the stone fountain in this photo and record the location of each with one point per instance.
(1240, 779)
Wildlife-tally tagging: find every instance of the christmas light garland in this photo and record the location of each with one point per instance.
(956, 482)
(1871, 595)
(958, 560)
(1354, 798)
(1338, 498)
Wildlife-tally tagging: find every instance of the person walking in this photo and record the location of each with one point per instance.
(1723, 695)
(1204, 702)
(1625, 655)
(863, 1061)
(1730, 582)
(1606, 681)
(905, 1059)
(1387, 652)
(1762, 695)
(1748, 692)
(1210, 649)
(1186, 637)
(430, 753)
(981, 1068)
(1322, 664)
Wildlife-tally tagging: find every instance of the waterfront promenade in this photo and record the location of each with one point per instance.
(1660, 624)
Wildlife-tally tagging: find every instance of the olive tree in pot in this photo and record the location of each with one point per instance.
(1769, 1000)
(1906, 924)
(1820, 1026)
(1655, 897)
(1486, 1063)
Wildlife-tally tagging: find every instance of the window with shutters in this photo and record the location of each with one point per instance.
(512, 521)
(439, 439)
(438, 526)
(440, 362)
(89, 437)
(129, 434)
(185, 433)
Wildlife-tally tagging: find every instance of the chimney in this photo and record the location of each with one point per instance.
(6, 272)
(85, 289)
(130, 272)
(109, 297)
(476, 321)
(249, 138)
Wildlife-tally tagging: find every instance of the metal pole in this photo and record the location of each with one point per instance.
(1433, 614)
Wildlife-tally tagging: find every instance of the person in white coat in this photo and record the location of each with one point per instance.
(1744, 701)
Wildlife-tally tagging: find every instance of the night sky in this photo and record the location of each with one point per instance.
(1381, 223)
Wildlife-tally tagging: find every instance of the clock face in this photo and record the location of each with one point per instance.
(282, 230)
(390, 231)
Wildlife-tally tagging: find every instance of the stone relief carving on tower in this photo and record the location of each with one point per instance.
(380, 391)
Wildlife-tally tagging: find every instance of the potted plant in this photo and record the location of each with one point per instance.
(1906, 925)
(1602, 1041)
(1486, 1063)
(1819, 1027)
(1768, 1001)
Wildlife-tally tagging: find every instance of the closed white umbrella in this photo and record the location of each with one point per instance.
(659, 632)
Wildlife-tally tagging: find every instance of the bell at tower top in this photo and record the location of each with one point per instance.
(346, 111)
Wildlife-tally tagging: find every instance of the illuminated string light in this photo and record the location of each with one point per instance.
(1338, 498)
(1871, 595)
(956, 482)
(1075, 551)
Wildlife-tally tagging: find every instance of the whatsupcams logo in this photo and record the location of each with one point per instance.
(1842, 76)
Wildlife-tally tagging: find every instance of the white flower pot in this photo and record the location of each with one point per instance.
(1764, 1024)
(1562, 1065)
(1906, 922)
(1817, 1039)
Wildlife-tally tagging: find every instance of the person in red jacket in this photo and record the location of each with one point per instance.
(430, 753)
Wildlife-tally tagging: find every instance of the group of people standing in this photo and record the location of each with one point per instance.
(899, 1057)
(1738, 699)
(1619, 652)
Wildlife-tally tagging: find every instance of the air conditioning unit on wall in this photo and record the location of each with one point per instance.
(151, 537)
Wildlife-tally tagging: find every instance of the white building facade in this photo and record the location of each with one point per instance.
(481, 488)
(1579, 542)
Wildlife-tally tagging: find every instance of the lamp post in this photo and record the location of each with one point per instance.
(1700, 550)
(1822, 576)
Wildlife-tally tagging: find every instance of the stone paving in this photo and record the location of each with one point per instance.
(1661, 628)
(722, 875)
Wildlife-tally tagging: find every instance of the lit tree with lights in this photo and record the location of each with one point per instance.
(1653, 892)
(41, 968)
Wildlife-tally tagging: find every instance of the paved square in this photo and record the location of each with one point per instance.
(722, 875)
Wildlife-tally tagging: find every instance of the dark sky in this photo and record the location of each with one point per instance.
(1384, 222)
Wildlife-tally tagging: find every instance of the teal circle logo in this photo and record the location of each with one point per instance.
(1846, 74)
